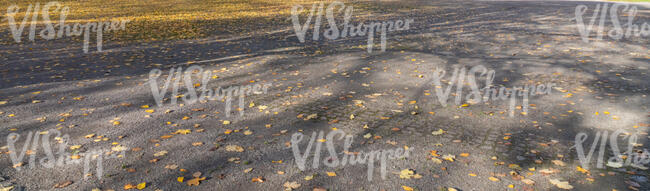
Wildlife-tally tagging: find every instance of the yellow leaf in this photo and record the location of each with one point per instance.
(182, 131)
(149, 110)
(161, 153)
(331, 173)
(226, 122)
(580, 169)
(449, 157)
(129, 186)
(438, 132)
(494, 179)
(144, 106)
(180, 179)
(472, 174)
(141, 186)
(119, 148)
(406, 188)
(406, 174)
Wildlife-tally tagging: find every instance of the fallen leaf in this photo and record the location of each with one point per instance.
(171, 166)
(63, 184)
(312, 116)
(292, 185)
(182, 131)
(119, 148)
(195, 181)
(561, 184)
(528, 181)
(129, 186)
(580, 169)
(547, 171)
(558, 162)
(438, 132)
(234, 148)
(258, 179)
(449, 157)
(161, 153)
(406, 174)
(141, 186)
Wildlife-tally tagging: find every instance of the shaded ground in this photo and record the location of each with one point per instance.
(525, 42)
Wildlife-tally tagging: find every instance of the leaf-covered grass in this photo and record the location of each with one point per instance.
(631, 0)
(152, 20)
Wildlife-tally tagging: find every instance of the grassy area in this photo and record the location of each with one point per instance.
(173, 19)
(631, 0)
(153, 20)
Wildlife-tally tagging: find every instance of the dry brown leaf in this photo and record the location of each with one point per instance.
(558, 162)
(195, 181)
(63, 184)
(292, 185)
